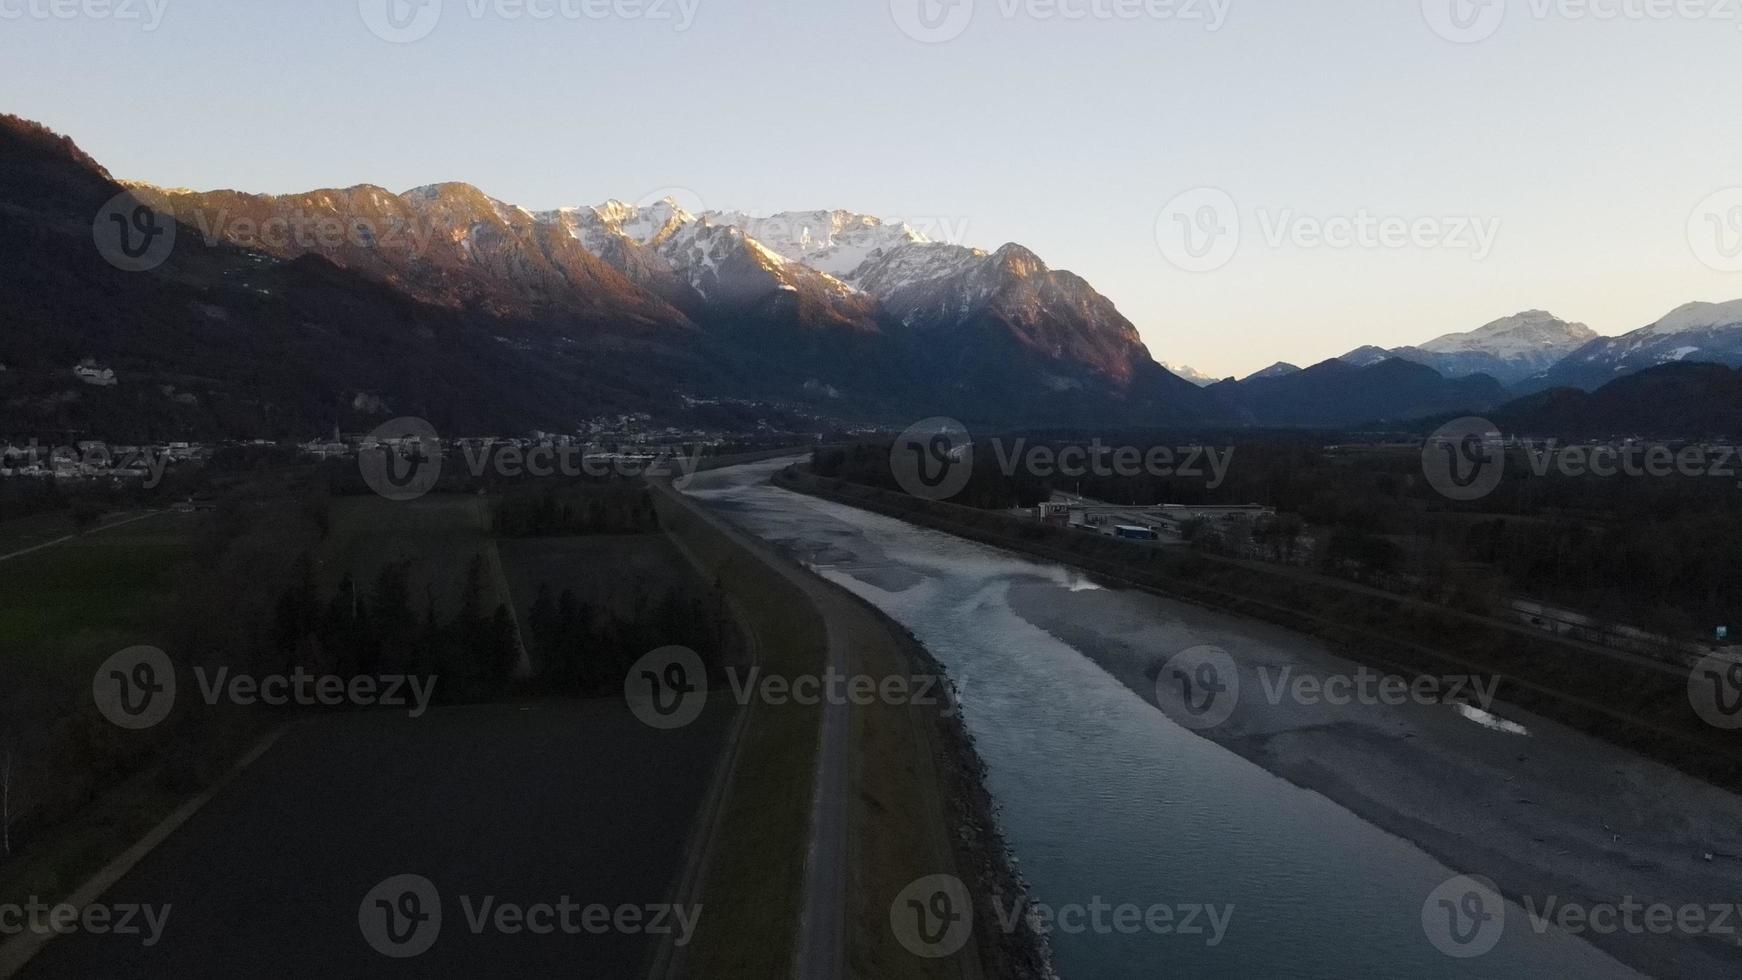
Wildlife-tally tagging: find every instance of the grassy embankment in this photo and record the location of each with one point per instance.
(753, 888)
(916, 803)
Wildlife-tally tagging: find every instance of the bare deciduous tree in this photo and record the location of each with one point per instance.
(6, 755)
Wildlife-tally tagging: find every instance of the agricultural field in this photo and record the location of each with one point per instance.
(439, 535)
(64, 608)
(20, 533)
(612, 572)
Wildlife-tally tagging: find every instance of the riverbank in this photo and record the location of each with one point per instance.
(980, 854)
(1549, 813)
(915, 803)
(1636, 703)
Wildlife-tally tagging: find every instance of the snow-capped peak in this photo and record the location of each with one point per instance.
(838, 243)
(1523, 333)
(643, 225)
(1191, 374)
(1698, 316)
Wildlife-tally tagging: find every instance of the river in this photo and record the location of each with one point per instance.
(1104, 800)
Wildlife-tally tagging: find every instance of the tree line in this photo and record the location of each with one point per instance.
(381, 629)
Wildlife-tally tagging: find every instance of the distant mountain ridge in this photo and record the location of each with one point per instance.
(1694, 333)
(839, 315)
(1191, 374)
(278, 315)
(1509, 350)
(1337, 394)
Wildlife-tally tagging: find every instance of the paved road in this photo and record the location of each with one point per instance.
(821, 950)
(855, 633)
(526, 803)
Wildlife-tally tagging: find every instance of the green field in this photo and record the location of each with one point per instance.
(64, 608)
(62, 611)
(27, 532)
(609, 571)
(439, 535)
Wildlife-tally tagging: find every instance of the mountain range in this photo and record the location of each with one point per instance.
(280, 316)
(1695, 333)
(1508, 350)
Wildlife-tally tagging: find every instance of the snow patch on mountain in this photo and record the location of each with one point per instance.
(1698, 316)
(1522, 335)
(835, 242)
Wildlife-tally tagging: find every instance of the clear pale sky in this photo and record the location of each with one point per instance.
(1590, 140)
